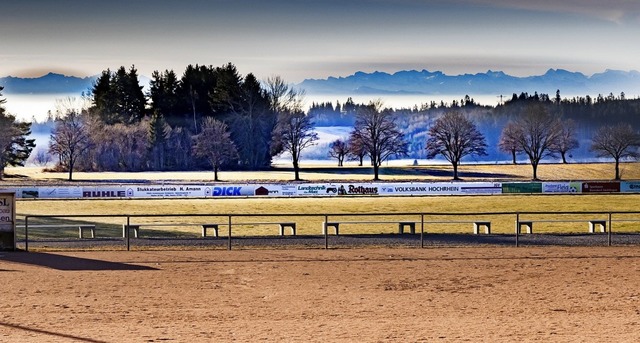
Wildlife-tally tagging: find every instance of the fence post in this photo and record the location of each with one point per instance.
(126, 233)
(609, 233)
(517, 229)
(326, 232)
(26, 233)
(229, 235)
(422, 230)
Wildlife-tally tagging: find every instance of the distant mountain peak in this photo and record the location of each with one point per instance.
(53, 83)
(50, 83)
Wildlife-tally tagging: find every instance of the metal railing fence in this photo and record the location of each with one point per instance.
(325, 221)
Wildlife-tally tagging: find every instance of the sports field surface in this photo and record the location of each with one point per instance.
(550, 294)
(366, 294)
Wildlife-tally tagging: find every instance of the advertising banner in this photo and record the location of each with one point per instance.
(274, 190)
(106, 192)
(316, 190)
(450, 188)
(49, 192)
(7, 211)
(358, 189)
(561, 187)
(28, 193)
(425, 189)
(170, 191)
(481, 188)
(233, 190)
(522, 187)
(630, 187)
(320, 189)
(601, 187)
(269, 190)
(7, 220)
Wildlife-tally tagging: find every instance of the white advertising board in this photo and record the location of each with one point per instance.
(7, 211)
(169, 191)
(357, 188)
(105, 192)
(233, 190)
(316, 190)
(7, 220)
(276, 190)
(442, 188)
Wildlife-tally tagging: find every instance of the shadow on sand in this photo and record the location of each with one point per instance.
(49, 333)
(67, 263)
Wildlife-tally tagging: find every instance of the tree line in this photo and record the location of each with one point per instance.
(212, 117)
(208, 117)
(535, 128)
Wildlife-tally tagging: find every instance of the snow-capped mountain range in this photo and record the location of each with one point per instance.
(491, 82)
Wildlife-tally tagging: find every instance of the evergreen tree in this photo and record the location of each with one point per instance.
(120, 100)
(226, 97)
(196, 84)
(15, 148)
(131, 101)
(104, 103)
(158, 133)
(245, 106)
(163, 93)
(256, 122)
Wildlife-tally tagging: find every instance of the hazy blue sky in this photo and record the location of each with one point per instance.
(315, 39)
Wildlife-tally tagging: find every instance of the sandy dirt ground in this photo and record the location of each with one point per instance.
(547, 294)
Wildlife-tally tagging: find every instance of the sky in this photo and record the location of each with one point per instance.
(317, 39)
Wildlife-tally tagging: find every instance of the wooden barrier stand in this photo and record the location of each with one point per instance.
(528, 224)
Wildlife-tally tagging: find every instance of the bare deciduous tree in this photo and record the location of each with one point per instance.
(567, 140)
(378, 134)
(455, 136)
(357, 150)
(616, 141)
(281, 96)
(538, 134)
(293, 133)
(508, 141)
(69, 140)
(338, 149)
(42, 157)
(214, 143)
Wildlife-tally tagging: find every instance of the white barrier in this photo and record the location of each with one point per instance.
(308, 189)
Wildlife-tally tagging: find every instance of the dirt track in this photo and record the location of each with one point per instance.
(559, 294)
